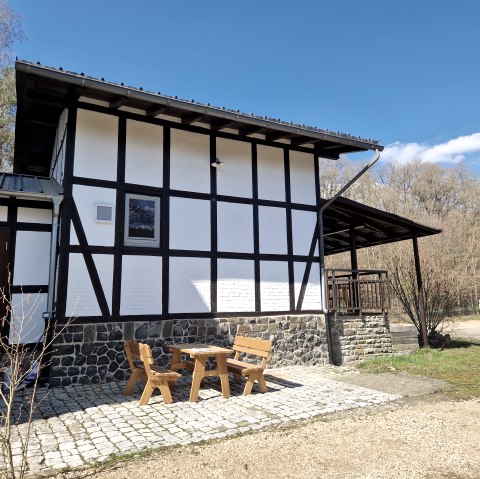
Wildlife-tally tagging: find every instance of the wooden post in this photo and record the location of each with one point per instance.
(421, 293)
(354, 264)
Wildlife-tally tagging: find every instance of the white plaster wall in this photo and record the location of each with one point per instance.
(3, 213)
(34, 215)
(96, 145)
(189, 161)
(303, 227)
(271, 173)
(144, 154)
(104, 265)
(59, 163)
(27, 325)
(189, 224)
(81, 299)
(86, 198)
(273, 230)
(302, 178)
(235, 227)
(189, 285)
(235, 285)
(234, 178)
(274, 289)
(141, 285)
(32, 258)
(312, 299)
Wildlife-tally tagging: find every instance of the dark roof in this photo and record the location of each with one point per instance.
(15, 185)
(371, 226)
(43, 92)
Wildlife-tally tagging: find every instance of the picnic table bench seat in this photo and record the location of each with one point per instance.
(253, 372)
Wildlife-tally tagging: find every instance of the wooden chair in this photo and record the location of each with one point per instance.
(143, 369)
(253, 372)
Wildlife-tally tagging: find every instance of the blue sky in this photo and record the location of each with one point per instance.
(405, 73)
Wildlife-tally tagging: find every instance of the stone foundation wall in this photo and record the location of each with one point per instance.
(94, 353)
(355, 338)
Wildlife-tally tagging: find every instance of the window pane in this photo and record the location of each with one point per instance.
(141, 218)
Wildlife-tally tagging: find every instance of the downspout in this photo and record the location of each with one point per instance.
(321, 247)
(56, 202)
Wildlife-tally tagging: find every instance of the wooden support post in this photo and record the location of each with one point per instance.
(421, 293)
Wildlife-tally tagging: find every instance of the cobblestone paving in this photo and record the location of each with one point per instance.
(80, 425)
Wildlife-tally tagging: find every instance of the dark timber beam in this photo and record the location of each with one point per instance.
(117, 101)
(155, 110)
(421, 292)
(192, 118)
(222, 124)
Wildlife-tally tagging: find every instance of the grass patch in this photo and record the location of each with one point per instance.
(459, 365)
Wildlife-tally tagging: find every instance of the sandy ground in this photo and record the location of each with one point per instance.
(421, 437)
(464, 329)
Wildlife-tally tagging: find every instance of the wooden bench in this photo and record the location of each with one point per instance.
(253, 372)
(143, 369)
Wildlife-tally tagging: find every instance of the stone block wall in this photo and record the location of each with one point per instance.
(355, 337)
(93, 353)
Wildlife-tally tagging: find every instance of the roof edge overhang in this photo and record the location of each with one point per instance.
(322, 142)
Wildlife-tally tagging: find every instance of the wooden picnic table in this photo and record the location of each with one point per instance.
(199, 353)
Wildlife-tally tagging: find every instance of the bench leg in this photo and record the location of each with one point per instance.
(134, 378)
(165, 391)
(262, 385)
(249, 384)
(147, 394)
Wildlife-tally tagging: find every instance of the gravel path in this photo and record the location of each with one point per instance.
(421, 437)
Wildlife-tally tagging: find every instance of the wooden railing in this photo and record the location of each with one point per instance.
(351, 291)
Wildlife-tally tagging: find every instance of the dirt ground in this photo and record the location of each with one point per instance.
(424, 435)
(464, 329)
(419, 437)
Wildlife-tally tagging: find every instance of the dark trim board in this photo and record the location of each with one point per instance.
(180, 316)
(30, 289)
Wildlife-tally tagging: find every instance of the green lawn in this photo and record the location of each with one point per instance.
(459, 365)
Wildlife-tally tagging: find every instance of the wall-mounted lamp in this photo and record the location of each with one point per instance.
(217, 163)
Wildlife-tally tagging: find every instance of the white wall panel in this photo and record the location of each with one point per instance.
(104, 265)
(234, 178)
(28, 325)
(273, 230)
(312, 299)
(141, 285)
(81, 299)
(271, 173)
(189, 161)
(144, 154)
(86, 198)
(189, 285)
(302, 178)
(235, 285)
(189, 224)
(3, 213)
(274, 288)
(34, 215)
(32, 258)
(303, 227)
(235, 227)
(58, 154)
(96, 145)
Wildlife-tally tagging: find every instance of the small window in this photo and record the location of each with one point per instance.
(104, 213)
(142, 221)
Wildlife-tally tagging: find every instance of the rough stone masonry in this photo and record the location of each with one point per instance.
(94, 353)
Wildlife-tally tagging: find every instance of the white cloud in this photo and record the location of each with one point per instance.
(452, 151)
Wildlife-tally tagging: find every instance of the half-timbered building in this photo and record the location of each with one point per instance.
(144, 216)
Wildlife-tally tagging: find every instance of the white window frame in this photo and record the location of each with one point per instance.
(133, 241)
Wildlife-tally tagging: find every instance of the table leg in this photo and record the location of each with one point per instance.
(176, 359)
(223, 374)
(198, 375)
